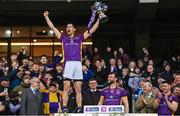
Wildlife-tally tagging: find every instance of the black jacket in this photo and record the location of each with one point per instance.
(91, 98)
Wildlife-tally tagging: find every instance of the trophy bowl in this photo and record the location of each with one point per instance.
(100, 8)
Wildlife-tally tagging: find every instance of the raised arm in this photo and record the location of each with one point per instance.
(92, 30)
(51, 25)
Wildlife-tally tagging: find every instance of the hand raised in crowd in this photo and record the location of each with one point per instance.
(99, 68)
(166, 96)
(148, 78)
(3, 94)
(159, 96)
(21, 68)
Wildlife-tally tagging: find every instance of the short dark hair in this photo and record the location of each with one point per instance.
(113, 73)
(43, 56)
(71, 24)
(59, 64)
(52, 84)
(92, 79)
(166, 82)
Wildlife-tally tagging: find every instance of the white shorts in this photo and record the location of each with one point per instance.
(73, 70)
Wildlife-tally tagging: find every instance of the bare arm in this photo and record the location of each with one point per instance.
(172, 106)
(92, 30)
(101, 101)
(51, 25)
(126, 104)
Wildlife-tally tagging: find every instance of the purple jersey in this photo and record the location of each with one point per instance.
(71, 47)
(113, 96)
(163, 107)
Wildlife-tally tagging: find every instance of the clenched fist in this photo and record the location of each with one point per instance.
(46, 13)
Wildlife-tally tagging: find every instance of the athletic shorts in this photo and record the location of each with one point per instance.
(73, 70)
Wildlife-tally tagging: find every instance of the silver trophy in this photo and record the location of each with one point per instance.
(100, 8)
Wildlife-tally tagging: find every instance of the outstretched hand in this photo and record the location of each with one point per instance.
(46, 13)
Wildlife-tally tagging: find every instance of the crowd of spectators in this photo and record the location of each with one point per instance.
(152, 86)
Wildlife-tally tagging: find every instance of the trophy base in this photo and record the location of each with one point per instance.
(103, 20)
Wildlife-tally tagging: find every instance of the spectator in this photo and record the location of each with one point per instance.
(124, 56)
(139, 90)
(86, 54)
(141, 66)
(125, 78)
(58, 75)
(132, 65)
(167, 73)
(177, 79)
(166, 103)
(134, 79)
(115, 54)
(145, 102)
(22, 54)
(44, 59)
(120, 66)
(57, 57)
(100, 73)
(151, 62)
(42, 70)
(87, 75)
(47, 78)
(87, 62)
(145, 52)
(151, 75)
(176, 91)
(108, 55)
(31, 99)
(4, 96)
(13, 57)
(112, 67)
(52, 99)
(92, 95)
(13, 77)
(4, 85)
(35, 70)
(96, 56)
(24, 84)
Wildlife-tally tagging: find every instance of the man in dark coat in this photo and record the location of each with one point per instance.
(31, 99)
(92, 95)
